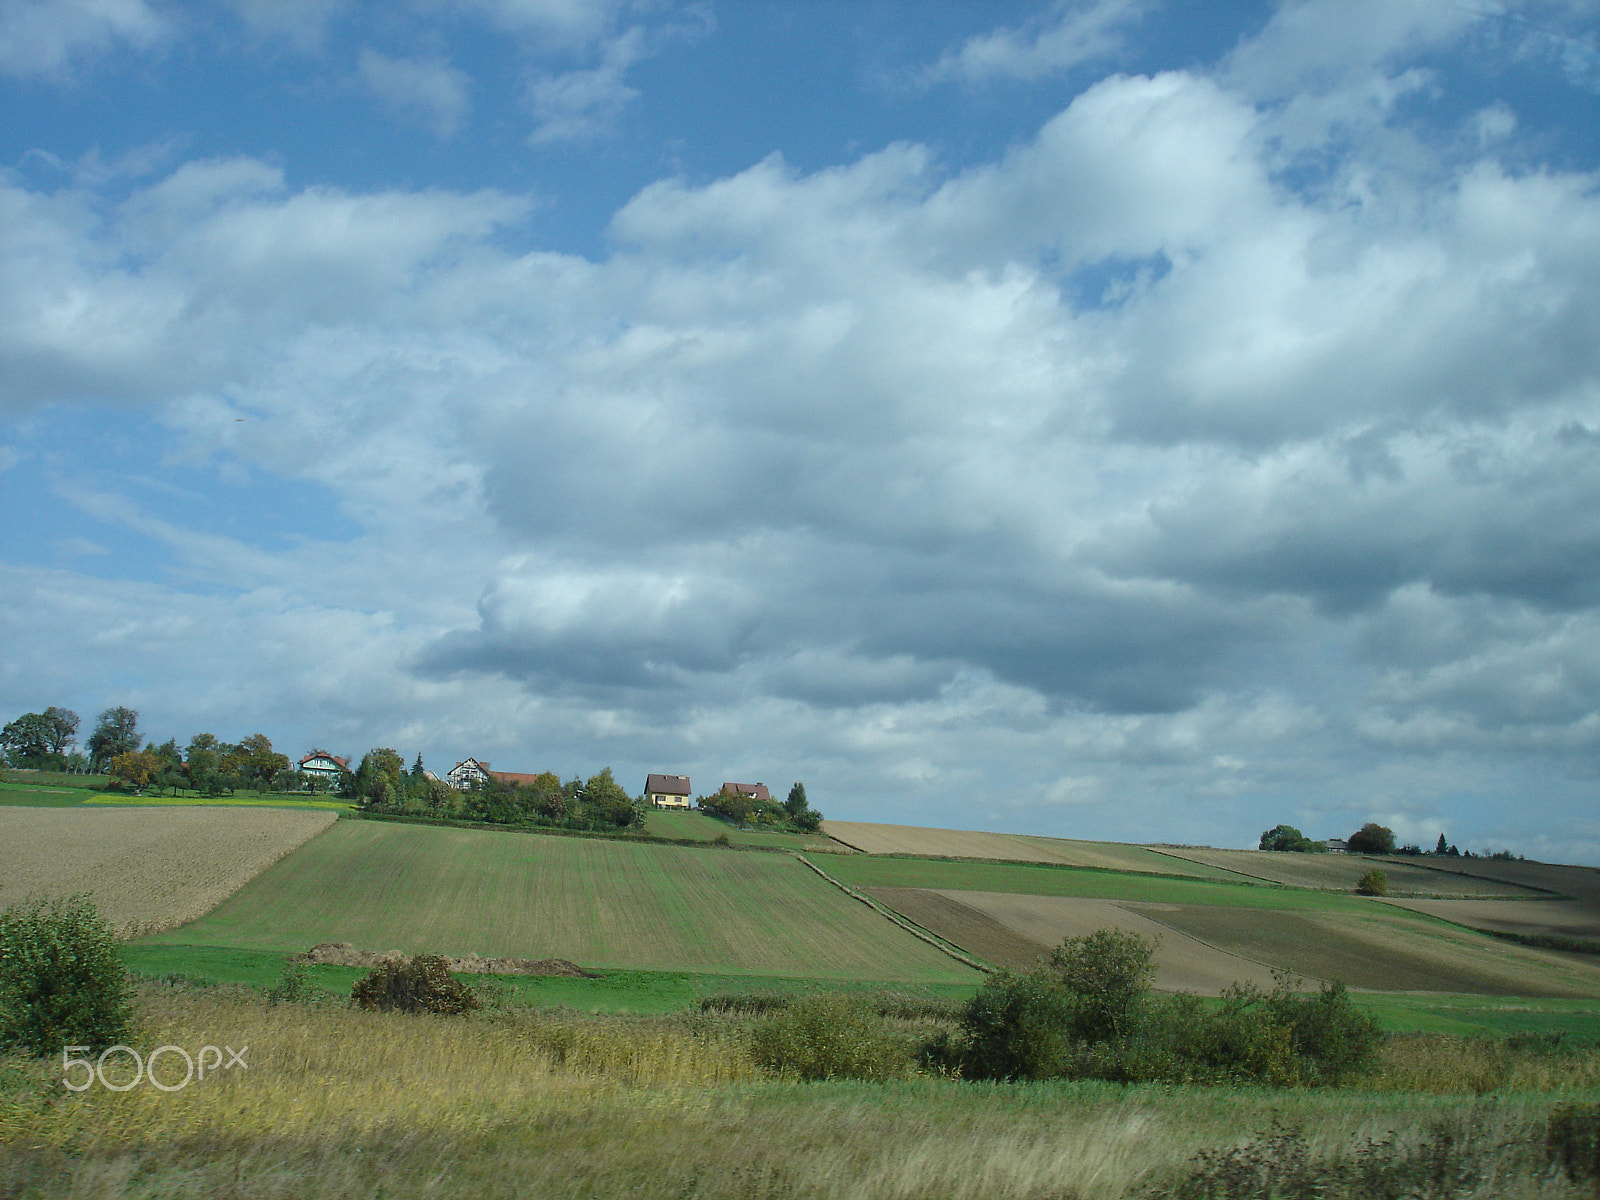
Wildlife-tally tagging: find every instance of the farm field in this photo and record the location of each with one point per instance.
(872, 838)
(1204, 948)
(1037, 879)
(598, 903)
(154, 868)
(1339, 872)
(1548, 918)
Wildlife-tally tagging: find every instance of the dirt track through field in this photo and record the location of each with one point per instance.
(153, 868)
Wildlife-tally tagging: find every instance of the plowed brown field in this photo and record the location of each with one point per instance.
(1557, 918)
(153, 868)
(1206, 947)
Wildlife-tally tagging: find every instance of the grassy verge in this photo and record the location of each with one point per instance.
(336, 1102)
(73, 791)
(639, 992)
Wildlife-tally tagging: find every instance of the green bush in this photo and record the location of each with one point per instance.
(62, 980)
(419, 984)
(1089, 1015)
(827, 1037)
(1016, 1027)
(1373, 883)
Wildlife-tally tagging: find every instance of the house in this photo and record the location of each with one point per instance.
(756, 791)
(1337, 844)
(667, 791)
(467, 774)
(324, 766)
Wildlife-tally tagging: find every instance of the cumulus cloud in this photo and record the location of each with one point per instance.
(427, 89)
(1067, 34)
(49, 38)
(1115, 464)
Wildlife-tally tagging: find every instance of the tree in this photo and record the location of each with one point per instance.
(1372, 838)
(796, 804)
(135, 768)
(1288, 838)
(1440, 848)
(62, 982)
(417, 771)
(380, 765)
(203, 764)
(1109, 971)
(255, 759)
(606, 801)
(116, 732)
(40, 739)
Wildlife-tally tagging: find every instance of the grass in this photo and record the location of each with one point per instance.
(602, 904)
(74, 791)
(337, 1102)
(699, 826)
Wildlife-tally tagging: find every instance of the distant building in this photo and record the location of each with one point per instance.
(324, 766)
(1338, 844)
(467, 774)
(756, 791)
(667, 791)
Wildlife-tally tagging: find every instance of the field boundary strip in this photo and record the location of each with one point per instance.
(903, 922)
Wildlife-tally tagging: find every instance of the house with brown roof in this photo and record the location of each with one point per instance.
(667, 791)
(756, 791)
(323, 765)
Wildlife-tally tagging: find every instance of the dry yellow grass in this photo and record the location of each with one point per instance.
(146, 869)
(339, 1103)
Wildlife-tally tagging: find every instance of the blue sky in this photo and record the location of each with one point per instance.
(1123, 419)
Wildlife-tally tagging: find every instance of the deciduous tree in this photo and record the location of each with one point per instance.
(116, 732)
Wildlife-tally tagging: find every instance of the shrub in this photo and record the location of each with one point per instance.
(1108, 972)
(419, 984)
(1016, 1027)
(294, 985)
(1373, 883)
(827, 1037)
(62, 980)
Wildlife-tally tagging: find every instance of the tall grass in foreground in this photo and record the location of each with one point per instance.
(343, 1103)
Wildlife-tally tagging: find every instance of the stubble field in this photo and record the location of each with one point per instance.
(145, 868)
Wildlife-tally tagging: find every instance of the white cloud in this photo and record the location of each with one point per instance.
(49, 38)
(427, 89)
(1070, 33)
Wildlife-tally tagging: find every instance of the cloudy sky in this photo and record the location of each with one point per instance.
(1110, 419)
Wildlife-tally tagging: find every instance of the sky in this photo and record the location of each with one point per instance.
(1117, 419)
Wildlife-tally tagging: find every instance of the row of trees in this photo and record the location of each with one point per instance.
(381, 783)
(795, 812)
(46, 741)
(1371, 838)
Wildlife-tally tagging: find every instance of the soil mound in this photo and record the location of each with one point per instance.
(343, 954)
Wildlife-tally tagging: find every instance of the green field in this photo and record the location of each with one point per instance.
(598, 903)
(60, 795)
(701, 827)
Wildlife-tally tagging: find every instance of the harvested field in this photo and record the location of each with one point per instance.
(1578, 883)
(1383, 951)
(1040, 922)
(952, 843)
(1206, 947)
(1339, 872)
(147, 868)
(601, 903)
(1533, 918)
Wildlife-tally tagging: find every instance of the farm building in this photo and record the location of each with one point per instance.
(323, 765)
(465, 774)
(756, 791)
(667, 791)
